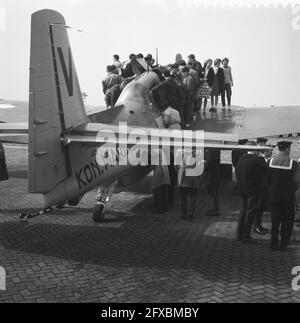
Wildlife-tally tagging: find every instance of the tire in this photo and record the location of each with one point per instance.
(98, 214)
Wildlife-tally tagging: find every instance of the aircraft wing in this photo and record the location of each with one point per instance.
(252, 123)
(96, 135)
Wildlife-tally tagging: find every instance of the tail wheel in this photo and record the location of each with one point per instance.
(98, 214)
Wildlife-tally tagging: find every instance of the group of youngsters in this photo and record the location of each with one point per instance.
(186, 86)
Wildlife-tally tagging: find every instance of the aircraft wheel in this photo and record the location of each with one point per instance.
(98, 214)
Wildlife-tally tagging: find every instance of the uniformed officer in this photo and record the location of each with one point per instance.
(283, 183)
(212, 175)
(263, 199)
(251, 171)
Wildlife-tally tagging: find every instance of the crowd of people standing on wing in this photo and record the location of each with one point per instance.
(185, 86)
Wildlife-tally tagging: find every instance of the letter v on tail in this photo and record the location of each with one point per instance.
(68, 75)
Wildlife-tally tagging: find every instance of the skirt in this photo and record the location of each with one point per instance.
(204, 91)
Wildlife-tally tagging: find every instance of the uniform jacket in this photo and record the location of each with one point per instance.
(283, 180)
(251, 171)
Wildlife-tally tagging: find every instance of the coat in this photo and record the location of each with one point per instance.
(220, 76)
(168, 93)
(212, 167)
(250, 172)
(283, 181)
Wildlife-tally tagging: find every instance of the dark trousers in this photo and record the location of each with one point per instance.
(188, 202)
(213, 193)
(173, 180)
(226, 93)
(247, 216)
(262, 207)
(161, 198)
(188, 108)
(283, 219)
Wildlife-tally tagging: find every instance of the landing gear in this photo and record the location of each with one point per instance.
(98, 214)
(103, 197)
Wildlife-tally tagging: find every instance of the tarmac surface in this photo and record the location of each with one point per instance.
(135, 256)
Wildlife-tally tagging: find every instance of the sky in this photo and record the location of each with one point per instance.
(263, 43)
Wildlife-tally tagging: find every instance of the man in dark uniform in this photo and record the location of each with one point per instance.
(211, 175)
(283, 183)
(251, 170)
(263, 199)
(235, 157)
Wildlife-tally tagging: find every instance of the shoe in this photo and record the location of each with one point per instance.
(223, 109)
(211, 110)
(250, 241)
(259, 231)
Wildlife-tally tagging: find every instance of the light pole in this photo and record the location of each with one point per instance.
(156, 51)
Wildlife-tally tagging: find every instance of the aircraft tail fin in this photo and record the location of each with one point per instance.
(55, 101)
